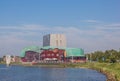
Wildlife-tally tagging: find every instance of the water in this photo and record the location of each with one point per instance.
(20, 73)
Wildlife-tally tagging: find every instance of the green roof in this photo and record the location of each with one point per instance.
(74, 52)
(69, 51)
(51, 47)
(30, 48)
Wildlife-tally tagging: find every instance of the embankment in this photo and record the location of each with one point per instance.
(111, 70)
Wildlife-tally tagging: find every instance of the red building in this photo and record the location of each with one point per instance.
(55, 55)
(45, 54)
(30, 56)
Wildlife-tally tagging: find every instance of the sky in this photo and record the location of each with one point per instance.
(93, 25)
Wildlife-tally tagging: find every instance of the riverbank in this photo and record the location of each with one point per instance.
(111, 70)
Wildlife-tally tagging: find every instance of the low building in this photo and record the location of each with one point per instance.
(75, 55)
(53, 55)
(30, 54)
(48, 53)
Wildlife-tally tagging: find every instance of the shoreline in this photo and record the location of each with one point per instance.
(109, 75)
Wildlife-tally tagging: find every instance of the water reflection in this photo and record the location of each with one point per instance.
(19, 73)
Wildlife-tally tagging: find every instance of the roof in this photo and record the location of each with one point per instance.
(74, 52)
(69, 51)
(30, 48)
(52, 47)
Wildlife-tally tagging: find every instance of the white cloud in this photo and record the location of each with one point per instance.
(91, 21)
(13, 44)
(112, 26)
(14, 38)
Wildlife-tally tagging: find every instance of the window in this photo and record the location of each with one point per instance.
(48, 54)
(57, 55)
(52, 54)
(60, 42)
(56, 42)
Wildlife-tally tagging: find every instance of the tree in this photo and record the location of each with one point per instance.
(111, 56)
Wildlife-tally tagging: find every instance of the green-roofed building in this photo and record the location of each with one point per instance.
(54, 47)
(70, 53)
(30, 48)
(74, 52)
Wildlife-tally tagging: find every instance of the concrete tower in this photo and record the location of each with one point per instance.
(57, 40)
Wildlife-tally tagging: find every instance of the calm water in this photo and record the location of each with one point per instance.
(19, 73)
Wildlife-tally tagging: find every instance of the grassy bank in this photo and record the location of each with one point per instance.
(111, 70)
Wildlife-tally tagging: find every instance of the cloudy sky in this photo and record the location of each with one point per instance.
(89, 24)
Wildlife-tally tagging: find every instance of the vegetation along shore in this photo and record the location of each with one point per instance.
(111, 70)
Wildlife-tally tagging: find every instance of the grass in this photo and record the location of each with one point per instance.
(112, 70)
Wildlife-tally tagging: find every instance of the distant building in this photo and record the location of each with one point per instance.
(11, 58)
(57, 40)
(54, 50)
(48, 53)
(53, 55)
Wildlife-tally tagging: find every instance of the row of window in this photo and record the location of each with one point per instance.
(43, 55)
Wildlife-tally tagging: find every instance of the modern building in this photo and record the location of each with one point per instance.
(31, 53)
(53, 55)
(48, 53)
(56, 40)
(54, 49)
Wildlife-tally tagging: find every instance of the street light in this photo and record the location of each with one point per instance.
(39, 53)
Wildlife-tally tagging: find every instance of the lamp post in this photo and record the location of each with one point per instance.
(90, 57)
(39, 53)
(72, 55)
(72, 58)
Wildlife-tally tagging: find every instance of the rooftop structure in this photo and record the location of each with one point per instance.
(57, 40)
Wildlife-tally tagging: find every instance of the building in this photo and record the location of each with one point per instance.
(54, 49)
(53, 55)
(30, 54)
(48, 53)
(56, 40)
(75, 55)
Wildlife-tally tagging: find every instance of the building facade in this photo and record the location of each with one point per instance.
(54, 50)
(57, 40)
(53, 55)
(47, 53)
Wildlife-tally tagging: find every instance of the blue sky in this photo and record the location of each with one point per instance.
(89, 24)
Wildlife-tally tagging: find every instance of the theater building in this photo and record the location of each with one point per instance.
(48, 53)
(54, 49)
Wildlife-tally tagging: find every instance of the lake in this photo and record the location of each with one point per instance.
(21, 73)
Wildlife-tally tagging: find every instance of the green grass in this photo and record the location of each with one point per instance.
(111, 69)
